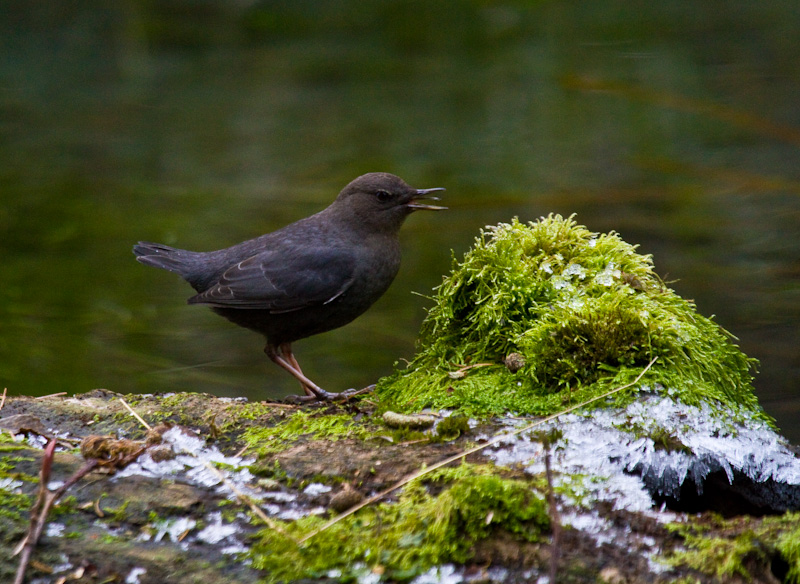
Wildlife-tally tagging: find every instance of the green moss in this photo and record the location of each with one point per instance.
(12, 505)
(739, 546)
(788, 545)
(64, 507)
(452, 427)
(176, 408)
(252, 410)
(718, 556)
(8, 466)
(116, 514)
(314, 425)
(585, 312)
(408, 537)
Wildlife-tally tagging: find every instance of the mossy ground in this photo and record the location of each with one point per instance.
(584, 311)
(297, 425)
(472, 515)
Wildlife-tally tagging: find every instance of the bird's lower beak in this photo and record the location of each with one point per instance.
(425, 194)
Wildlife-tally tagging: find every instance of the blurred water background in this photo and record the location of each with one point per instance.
(200, 123)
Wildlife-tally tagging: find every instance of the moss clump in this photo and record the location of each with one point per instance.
(788, 545)
(452, 427)
(406, 538)
(740, 547)
(583, 311)
(13, 505)
(311, 425)
(13, 523)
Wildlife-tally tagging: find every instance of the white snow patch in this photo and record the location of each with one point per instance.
(316, 489)
(173, 528)
(216, 531)
(134, 574)
(55, 529)
(445, 574)
(575, 270)
(192, 461)
(11, 485)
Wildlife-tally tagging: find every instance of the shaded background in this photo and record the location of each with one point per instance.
(203, 123)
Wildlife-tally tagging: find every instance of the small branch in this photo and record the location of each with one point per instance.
(44, 502)
(46, 499)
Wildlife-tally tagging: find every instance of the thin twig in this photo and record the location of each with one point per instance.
(135, 415)
(446, 461)
(3, 399)
(60, 393)
(555, 517)
(280, 405)
(44, 502)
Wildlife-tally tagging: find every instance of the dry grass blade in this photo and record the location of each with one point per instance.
(135, 415)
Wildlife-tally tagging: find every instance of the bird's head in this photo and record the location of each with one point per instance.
(382, 201)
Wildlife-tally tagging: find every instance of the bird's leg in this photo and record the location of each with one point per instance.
(283, 357)
(286, 350)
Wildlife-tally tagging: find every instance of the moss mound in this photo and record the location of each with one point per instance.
(540, 315)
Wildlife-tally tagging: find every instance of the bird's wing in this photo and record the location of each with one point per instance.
(282, 282)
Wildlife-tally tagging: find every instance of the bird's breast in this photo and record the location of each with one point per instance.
(376, 270)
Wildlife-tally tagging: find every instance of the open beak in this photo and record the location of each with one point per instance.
(426, 195)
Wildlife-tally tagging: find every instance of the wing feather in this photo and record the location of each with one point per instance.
(282, 282)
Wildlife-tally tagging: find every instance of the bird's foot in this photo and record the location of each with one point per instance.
(351, 393)
(320, 395)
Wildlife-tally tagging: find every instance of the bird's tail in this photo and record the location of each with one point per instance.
(180, 261)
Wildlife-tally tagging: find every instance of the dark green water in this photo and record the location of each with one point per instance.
(200, 124)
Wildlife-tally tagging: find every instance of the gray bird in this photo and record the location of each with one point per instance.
(312, 276)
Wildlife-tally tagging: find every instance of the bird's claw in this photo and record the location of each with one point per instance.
(351, 393)
(325, 396)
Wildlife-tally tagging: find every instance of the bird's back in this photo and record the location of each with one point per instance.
(311, 276)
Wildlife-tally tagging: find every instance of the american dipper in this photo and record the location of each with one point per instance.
(309, 277)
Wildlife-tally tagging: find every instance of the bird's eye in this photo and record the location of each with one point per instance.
(383, 196)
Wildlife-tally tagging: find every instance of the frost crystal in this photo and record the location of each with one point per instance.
(217, 531)
(134, 574)
(607, 276)
(623, 464)
(575, 270)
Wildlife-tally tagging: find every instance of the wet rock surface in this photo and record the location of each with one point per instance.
(640, 491)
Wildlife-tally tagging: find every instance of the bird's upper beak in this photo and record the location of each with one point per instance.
(425, 194)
